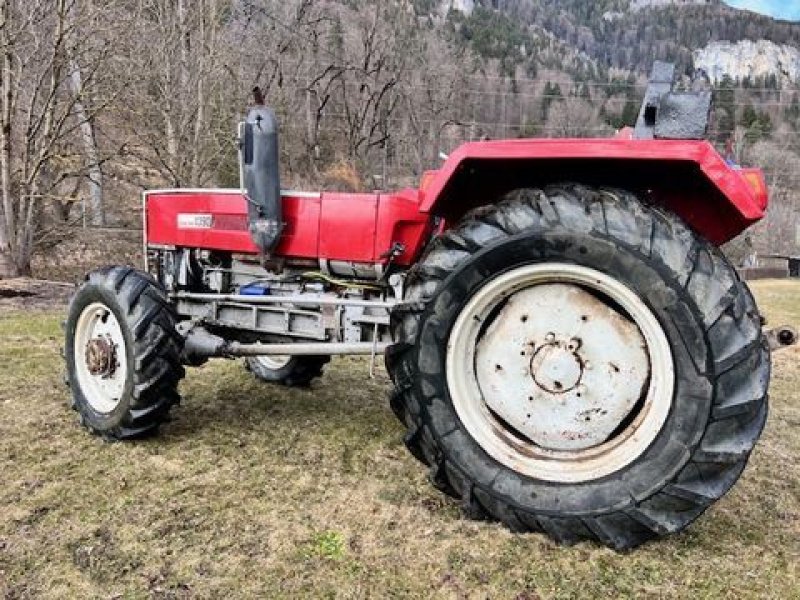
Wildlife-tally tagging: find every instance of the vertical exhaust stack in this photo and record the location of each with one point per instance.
(259, 174)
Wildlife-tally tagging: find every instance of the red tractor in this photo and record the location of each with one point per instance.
(570, 350)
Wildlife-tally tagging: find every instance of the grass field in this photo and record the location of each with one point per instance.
(256, 491)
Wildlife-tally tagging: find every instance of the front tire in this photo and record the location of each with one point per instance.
(502, 427)
(122, 354)
(289, 371)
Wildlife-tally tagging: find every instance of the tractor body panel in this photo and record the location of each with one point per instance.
(360, 228)
(687, 176)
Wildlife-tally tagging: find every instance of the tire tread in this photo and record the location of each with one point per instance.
(156, 351)
(732, 332)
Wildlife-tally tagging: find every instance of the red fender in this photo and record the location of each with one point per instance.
(687, 176)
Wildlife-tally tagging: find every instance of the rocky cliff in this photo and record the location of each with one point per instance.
(749, 60)
(464, 6)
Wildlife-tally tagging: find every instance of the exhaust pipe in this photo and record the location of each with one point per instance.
(259, 174)
(781, 337)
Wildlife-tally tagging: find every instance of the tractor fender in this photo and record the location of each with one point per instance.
(688, 177)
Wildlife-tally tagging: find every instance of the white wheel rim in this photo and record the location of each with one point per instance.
(273, 362)
(102, 384)
(488, 396)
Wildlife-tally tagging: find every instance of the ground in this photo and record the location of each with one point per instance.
(256, 491)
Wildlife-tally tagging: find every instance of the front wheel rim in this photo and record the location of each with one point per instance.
(100, 357)
(274, 362)
(497, 400)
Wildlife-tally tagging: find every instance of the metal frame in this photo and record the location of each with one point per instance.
(202, 344)
(306, 300)
(307, 349)
(252, 317)
(326, 319)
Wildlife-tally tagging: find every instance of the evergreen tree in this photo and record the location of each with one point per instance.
(725, 109)
(749, 116)
(552, 93)
(792, 113)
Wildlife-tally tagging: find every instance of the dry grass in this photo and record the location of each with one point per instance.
(255, 491)
(342, 176)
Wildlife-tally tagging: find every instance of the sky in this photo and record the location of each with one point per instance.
(780, 9)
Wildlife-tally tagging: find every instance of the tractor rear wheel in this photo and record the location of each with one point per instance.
(291, 371)
(122, 353)
(574, 362)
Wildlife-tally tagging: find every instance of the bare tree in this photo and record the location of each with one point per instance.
(42, 109)
(434, 115)
(179, 110)
(369, 97)
(97, 215)
(778, 232)
(575, 117)
(86, 24)
(344, 92)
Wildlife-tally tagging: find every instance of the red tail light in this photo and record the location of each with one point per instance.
(427, 178)
(755, 179)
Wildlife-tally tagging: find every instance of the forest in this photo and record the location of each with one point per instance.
(103, 99)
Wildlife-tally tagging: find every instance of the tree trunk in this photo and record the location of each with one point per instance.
(97, 215)
(8, 268)
(14, 264)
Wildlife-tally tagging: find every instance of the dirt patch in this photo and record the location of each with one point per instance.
(33, 294)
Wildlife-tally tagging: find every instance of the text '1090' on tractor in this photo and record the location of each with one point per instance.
(571, 352)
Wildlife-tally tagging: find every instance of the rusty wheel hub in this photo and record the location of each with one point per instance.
(103, 372)
(101, 357)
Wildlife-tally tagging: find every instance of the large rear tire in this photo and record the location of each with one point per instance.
(617, 433)
(122, 354)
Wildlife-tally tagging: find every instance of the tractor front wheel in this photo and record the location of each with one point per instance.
(290, 371)
(122, 353)
(575, 362)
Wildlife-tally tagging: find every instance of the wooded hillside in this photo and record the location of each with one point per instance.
(101, 99)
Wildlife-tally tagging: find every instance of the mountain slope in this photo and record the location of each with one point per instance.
(631, 35)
